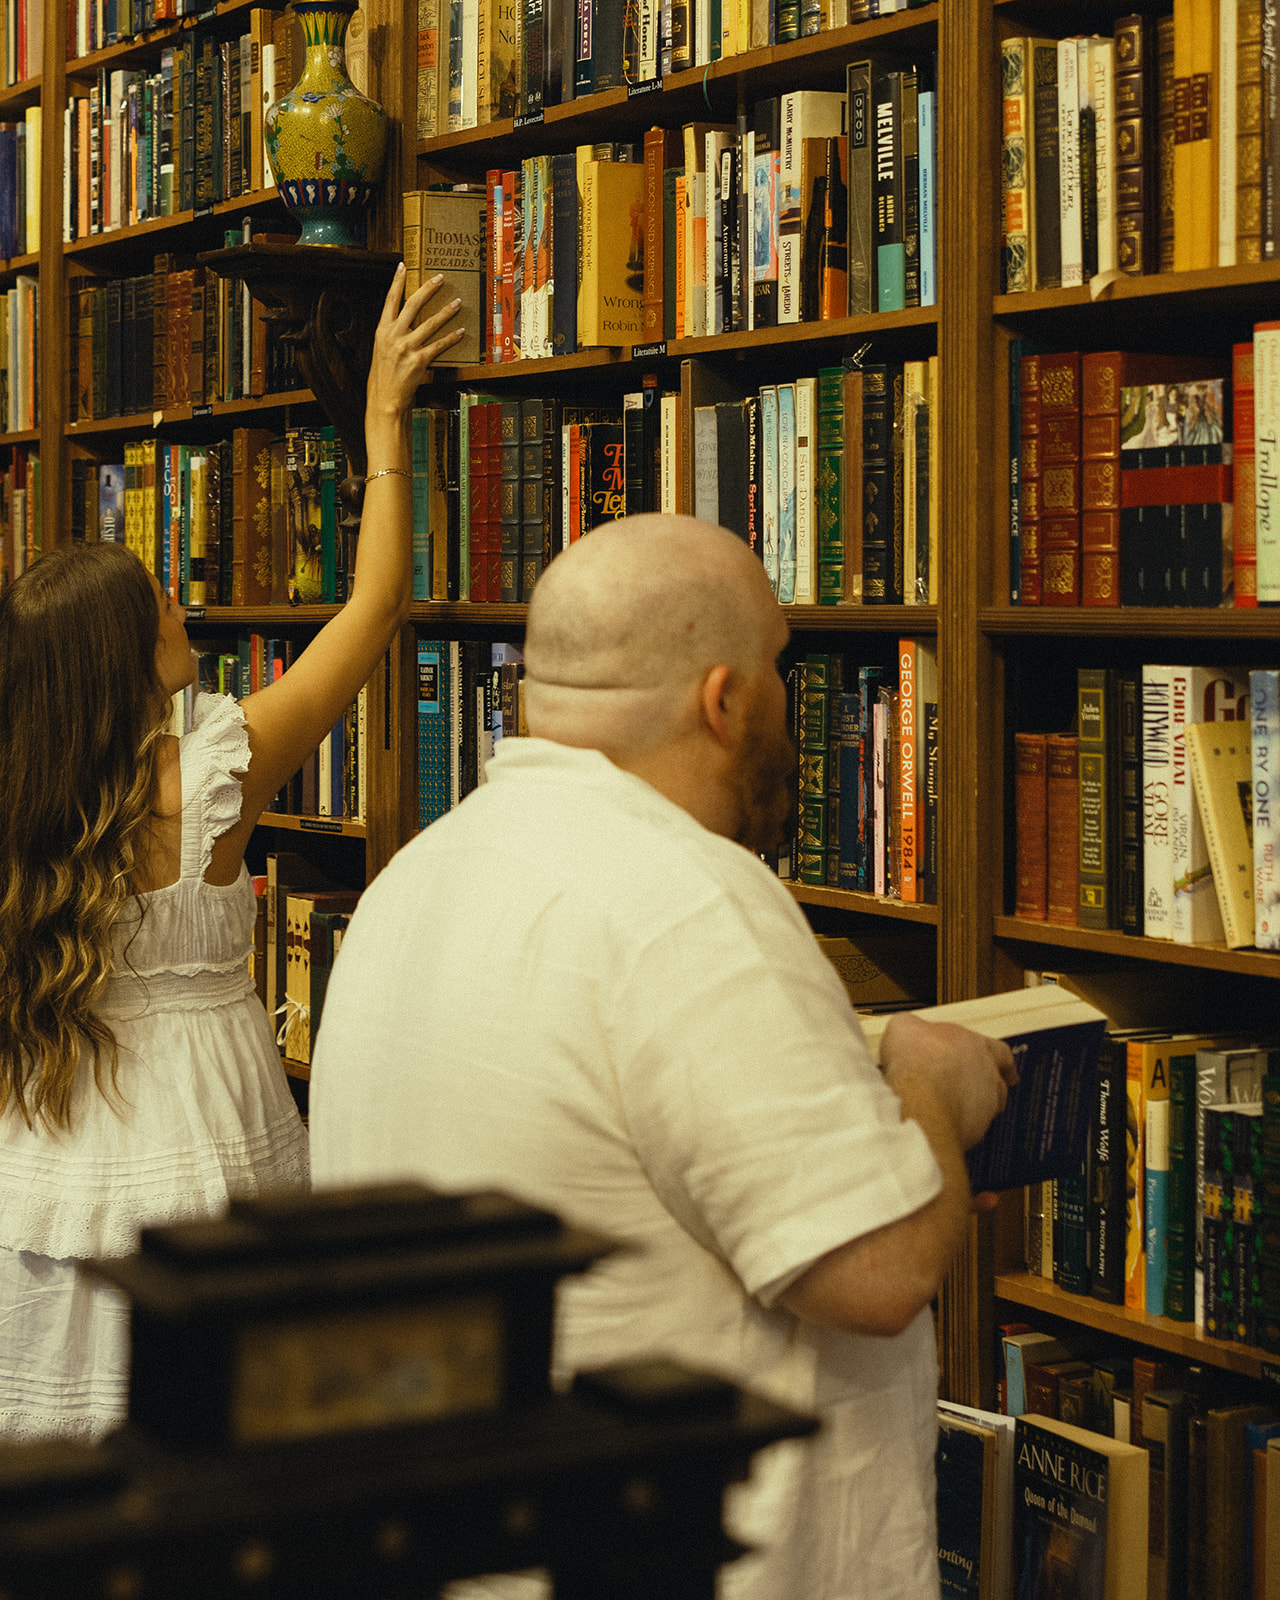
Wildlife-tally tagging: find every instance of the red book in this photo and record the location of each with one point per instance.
(493, 255)
(1062, 813)
(1029, 438)
(1243, 526)
(1030, 827)
(1060, 479)
(508, 266)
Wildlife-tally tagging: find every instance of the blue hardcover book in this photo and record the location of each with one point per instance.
(1156, 1212)
(166, 516)
(8, 191)
(1044, 1127)
(926, 116)
(786, 493)
(769, 481)
(421, 505)
(434, 738)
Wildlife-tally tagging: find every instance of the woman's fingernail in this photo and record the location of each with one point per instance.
(454, 304)
(399, 268)
(437, 280)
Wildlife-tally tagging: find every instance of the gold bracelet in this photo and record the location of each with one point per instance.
(385, 472)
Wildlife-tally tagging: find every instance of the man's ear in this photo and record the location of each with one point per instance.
(719, 702)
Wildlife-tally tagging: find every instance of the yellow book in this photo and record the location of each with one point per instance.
(133, 497)
(1220, 757)
(147, 473)
(198, 586)
(411, 240)
(611, 301)
(1195, 159)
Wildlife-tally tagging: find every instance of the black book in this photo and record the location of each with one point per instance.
(634, 454)
(564, 251)
(1045, 177)
(1105, 1169)
(606, 43)
(114, 345)
(533, 58)
(453, 504)
(731, 463)
(532, 495)
(128, 347)
(910, 141)
(877, 489)
(512, 478)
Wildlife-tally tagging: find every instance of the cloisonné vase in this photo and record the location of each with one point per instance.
(325, 140)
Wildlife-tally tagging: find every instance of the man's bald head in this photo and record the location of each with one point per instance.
(626, 623)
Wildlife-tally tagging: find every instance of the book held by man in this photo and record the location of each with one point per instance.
(1044, 1127)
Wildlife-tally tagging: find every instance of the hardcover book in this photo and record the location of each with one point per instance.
(453, 237)
(1221, 770)
(610, 299)
(1080, 1514)
(974, 1468)
(1044, 1128)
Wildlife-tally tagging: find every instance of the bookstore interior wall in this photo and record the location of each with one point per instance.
(1006, 425)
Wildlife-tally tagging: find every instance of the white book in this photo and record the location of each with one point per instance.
(649, 19)
(706, 476)
(1157, 782)
(1225, 110)
(117, 148)
(806, 582)
(470, 61)
(879, 764)
(1069, 162)
(68, 130)
(914, 395)
(1266, 401)
(746, 223)
(769, 481)
(1102, 66)
(1264, 738)
(702, 35)
(669, 422)
(1200, 694)
(268, 94)
(806, 114)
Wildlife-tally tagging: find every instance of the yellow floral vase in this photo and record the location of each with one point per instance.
(325, 140)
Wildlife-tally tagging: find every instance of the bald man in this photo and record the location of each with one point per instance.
(583, 986)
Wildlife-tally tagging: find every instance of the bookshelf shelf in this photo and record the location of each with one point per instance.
(850, 900)
(261, 200)
(175, 415)
(301, 1070)
(29, 436)
(1221, 282)
(18, 96)
(581, 360)
(1216, 957)
(28, 263)
(1177, 1338)
(1129, 622)
(329, 825)
(897, 620)
(262, 618)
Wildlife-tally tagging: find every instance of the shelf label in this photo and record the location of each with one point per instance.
(1271, 1372)
(195, 613)
(649, 352)
(531, 119)
(318, 825)
(201, 411)
(202, 211)
(636, 91)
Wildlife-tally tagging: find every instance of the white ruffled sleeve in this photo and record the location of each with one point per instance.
(215, 757)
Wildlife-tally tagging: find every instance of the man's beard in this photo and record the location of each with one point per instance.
(767, 785)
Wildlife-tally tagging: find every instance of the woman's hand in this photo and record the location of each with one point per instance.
(402, 352)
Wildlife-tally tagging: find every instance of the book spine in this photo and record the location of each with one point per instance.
(1102, 64)
(888, 237)
(1180, 1231)
(1136, 144)
(786, 492)
(1105, 1203)
(1046, 181)
(1264, 706)
(1135, 1275)
(862, 294)
(1017, 263)
(1098, 797)
(1266, 359)
(1070, 186)
(1031, 841)
(1157, 795)
(1156, 1202)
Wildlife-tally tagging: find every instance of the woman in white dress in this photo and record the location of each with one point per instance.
(139, 1080)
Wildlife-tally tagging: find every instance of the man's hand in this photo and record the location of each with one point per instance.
(968, 1073)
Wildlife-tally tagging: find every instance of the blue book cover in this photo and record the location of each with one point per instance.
(786, 493)
(8, 191)
(769, 481)
(1156, 1212)
(926, 117)
(166, 517)
(433, 730)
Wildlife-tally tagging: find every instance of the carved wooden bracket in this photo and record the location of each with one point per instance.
(326, 300)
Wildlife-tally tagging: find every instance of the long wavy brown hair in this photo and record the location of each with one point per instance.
(82, 712)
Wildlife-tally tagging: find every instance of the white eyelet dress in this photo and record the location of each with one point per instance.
(202, 1112)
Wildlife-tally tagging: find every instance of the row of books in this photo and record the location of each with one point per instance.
(19, 369)
(145, 144)
(1156, 814)
(468, 698)
(302, 915)
(19, 509)
(20, 185)
(787, 216)
(331, 784)
(177, 335)
(831, 479)
(250, 520)
(1180, 1224)
(21, 40)
(868, 780)
(481, 60)
(1185, 1486)
(1144, 151)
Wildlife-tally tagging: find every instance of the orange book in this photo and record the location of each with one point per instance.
(1195, 151)
(1030, 829)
